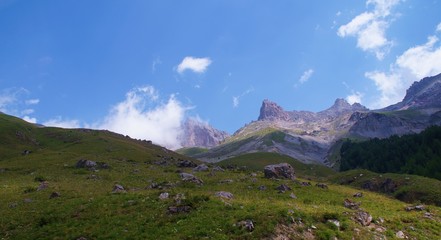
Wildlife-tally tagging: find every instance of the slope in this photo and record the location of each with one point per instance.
(137, 193)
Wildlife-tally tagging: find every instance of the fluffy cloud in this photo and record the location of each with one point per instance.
(306, 76)
(370, 27)
(141, 116)
(354, 98)
(438, 28)
(198, 65)
(414, 64)
(30, 119)
(62, 123)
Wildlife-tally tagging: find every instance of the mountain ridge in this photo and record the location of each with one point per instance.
(310, 136)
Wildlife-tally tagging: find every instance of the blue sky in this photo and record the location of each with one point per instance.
(141, 67)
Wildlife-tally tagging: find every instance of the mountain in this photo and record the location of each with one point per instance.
(201, 134)
(423, 94)
(315, 137)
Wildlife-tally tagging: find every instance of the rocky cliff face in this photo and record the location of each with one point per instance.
(423, 94)
(272, 112)
(200, 134)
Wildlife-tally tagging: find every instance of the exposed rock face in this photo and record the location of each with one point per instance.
(282, 170)
(271, 111)
(423, 94)
(200, 134)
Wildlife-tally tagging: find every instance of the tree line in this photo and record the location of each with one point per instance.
(418, 154)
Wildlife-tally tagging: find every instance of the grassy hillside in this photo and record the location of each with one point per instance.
(45, 196)
(405, 187)
(257, 161)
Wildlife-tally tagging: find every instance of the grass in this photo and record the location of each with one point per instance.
(88, 208)
(257, 161)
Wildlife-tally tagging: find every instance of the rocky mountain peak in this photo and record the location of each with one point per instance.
(200, 134)
(425, 93)
(271, 111)
(342, 106)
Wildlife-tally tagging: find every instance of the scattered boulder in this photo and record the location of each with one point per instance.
(164, 195)
(118, 189)
(187, 177)
(364, 218)
(351, 205)
(400, 235)
(246, 224)
(179, 197)
(415, 208)
(305, 184)
(322, 185)
(185, 163)
(27, 200)
(262, 188)
(224, 195)
(201, 168)
(179, 209)
(358, 195)
(26, 152)
(54, 195)
(282, 170)
(218, 169)
(84, 163)
(43, 185)
(335, 222)
(293, 196)
(227, 181)
(283, 188)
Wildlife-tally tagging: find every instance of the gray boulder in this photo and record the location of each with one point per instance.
(84, 163)
(187, 177)
(281, 170)
(225, 195)
(201, 168)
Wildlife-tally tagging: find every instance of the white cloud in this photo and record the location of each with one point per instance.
(414, 64)
(236, 99)
(423, 60)
(370, 27)
(306, 76)
(438, 28)
(30, 119)
(198, 65)
(155, 63)
(133, 117)
(32, 101)
(355, 97)
(62, 123)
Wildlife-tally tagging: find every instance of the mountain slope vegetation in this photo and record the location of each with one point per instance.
(87, 184)
(418, 154)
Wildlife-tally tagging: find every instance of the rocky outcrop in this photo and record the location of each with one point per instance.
(282, 170)
(200, 134)
(270, 111)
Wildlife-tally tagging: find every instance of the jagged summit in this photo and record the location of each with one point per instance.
(425, 93)
(342, 106)
(271, 111)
